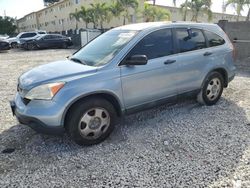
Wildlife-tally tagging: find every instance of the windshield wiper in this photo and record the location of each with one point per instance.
(77, 60)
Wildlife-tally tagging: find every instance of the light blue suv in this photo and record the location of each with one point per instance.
(124, 70)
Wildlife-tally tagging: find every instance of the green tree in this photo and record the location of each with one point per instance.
(85, 16)
(91, 13)
(127, 5)
(76, 15)
(7, 25)
(153, 13)
(197, 6)
(238, 6)
(116, 9)
(101, 13)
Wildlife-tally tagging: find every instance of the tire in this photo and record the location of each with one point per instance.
(64, 46)
(14, 45)
(212, 89)
(31, 46)
(90, 121)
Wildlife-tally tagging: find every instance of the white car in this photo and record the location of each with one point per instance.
(4, 37)
(24, 35)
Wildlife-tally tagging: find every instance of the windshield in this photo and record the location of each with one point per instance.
(102, 49)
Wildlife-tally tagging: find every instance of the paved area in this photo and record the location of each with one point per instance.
(183, 145)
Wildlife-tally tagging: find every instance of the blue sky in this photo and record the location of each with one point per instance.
(19, 8)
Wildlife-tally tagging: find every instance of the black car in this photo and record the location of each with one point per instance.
(4, 45)
(46, 41)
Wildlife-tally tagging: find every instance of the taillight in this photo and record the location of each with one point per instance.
(234, 55)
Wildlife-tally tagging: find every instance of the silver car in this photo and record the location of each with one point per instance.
(124, 70)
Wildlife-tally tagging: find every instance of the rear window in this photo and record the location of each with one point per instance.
(190, 39)
(214, 39)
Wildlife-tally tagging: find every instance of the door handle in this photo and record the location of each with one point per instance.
(207, 53)
(169, 62)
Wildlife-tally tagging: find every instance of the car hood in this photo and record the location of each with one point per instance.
(56, 71)
(12, 39)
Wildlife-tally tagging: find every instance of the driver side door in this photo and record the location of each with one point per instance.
(155, 81)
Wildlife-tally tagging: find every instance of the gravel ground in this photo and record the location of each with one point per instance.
(183, 145)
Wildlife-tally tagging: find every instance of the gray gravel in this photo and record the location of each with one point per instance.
(183, 145)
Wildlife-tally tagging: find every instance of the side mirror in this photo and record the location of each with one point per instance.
(136, 60)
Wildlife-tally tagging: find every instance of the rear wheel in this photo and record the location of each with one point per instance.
(90, 121)
(212, 89)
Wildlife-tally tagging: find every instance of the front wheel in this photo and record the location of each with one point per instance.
(212, 89)
(90, 121)
(31, 46)
(14, 45)
(64, 46)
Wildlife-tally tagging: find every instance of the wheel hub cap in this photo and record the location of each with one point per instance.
(95, 123)
(214, 89)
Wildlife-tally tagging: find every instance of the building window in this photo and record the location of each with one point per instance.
(76, 1)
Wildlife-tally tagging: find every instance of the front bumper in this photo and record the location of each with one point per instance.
(6, 47)
(32, 121)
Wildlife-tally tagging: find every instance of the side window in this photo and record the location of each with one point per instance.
(53, 37)
(47, 37)
(27, 35)
(32, 34)
(214, 39)
(156, 44)
(57, 36)
(190, 39)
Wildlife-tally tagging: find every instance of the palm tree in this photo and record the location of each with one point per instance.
(197, 6)
(85, 16)
(153, 13)
(76, 15)
(126, 5)
(100, 12)
(185, 11)
(185, 8)
(154, 2)
(238, 6)
(116, 9)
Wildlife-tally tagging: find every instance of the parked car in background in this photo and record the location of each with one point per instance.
(124, 70)
(4, 37)
(24, 36)
(46, 41)
(4, 45)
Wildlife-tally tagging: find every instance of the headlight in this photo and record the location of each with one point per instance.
(44, 92)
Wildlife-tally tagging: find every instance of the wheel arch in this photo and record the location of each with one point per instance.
(220, 70)
(105, 95)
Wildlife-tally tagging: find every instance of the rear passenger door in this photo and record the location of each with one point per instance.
(191, 59)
